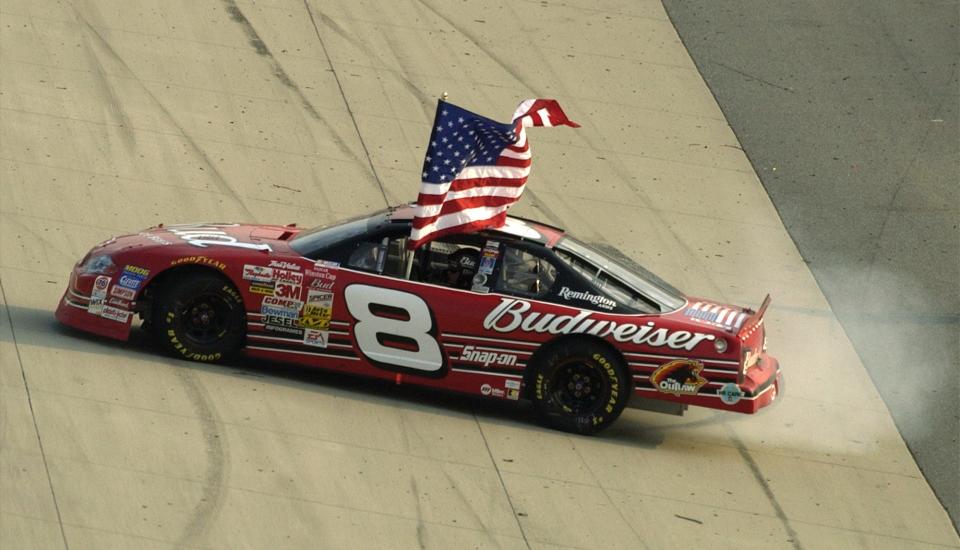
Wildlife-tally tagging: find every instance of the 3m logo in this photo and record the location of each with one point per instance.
(287, 290)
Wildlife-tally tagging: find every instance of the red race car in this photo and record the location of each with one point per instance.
(522, 312)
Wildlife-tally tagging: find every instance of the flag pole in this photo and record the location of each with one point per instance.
(411, 253)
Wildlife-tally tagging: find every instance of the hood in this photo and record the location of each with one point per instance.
(203, 236)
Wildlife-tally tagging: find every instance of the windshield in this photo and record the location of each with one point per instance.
(313, 241)
(625, 270)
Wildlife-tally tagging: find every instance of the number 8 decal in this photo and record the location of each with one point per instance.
(393, 328)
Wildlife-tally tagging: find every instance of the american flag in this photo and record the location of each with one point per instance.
(476, 168)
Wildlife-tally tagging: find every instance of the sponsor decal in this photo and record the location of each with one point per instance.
(512, 384)
(157, 239)
(115, 314)
(257, 273)
(122, 293)
(282, 325)
(487, 358)
(513, 395)
(287, 303)
(289, 277)
(100, 285)
(715, 314)
(595, 299)
(284, 265)
(316, 338)
(730, 393)
(318, 310)
(204, 235)
(265, 289)
(287, 290)
(119, 302)
(489, 390)
(95, 306)
(513, 314)
(320, 284)
(133, 276)
(679, 377)
(488, 258)
(202, 260)
(271, 312)
(321, 270)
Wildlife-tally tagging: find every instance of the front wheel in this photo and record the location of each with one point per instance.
(580, 386)
(199, 316)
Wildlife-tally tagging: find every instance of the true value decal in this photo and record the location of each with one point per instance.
(205, 235)
(513, 314)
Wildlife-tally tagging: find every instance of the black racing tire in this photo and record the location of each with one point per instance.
(199, 316)
(580, 386)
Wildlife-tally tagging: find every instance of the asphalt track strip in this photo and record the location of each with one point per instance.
(33, 416)
(346, 102)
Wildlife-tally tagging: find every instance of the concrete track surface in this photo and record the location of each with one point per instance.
(117, 115)
(849, 114)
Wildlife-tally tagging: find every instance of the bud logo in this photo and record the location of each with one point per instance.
(680, 377)
(487, 358)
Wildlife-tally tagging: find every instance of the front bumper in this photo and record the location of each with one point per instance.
(74, 311)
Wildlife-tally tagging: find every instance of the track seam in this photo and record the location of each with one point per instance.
(496, 467)
(353, 117)
(33, 416)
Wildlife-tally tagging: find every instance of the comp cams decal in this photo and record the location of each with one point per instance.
(514, 314)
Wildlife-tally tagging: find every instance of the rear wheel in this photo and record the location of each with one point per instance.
(580, 386)
(199, 316)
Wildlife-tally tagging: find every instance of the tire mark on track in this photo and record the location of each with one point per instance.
(772, 498)
(343, 96)
(281, 74)
(218, 178)
(112, 99)
(217, 453)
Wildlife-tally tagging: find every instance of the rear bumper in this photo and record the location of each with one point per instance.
(73, 311)
(761, 387)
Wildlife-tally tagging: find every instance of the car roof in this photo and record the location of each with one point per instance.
(515, 227)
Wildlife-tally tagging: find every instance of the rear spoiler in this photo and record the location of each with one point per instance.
(754, 320)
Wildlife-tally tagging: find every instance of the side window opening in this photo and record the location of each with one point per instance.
(525, 273)
(613, 288)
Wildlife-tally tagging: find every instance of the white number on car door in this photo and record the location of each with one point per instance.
(394, 329)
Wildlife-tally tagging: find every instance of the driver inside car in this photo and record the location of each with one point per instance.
(461, 267)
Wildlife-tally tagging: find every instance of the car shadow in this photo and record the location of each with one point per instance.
(37, 327)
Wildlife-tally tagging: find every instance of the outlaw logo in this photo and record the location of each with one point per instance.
(679, 377)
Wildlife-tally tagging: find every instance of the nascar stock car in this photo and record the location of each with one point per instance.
(522, 312)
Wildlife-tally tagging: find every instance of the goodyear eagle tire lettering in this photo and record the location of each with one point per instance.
(581, 386)
(199, 316)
